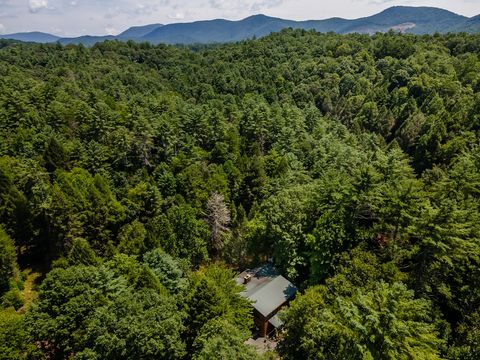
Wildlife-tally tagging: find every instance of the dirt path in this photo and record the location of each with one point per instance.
(29, 294)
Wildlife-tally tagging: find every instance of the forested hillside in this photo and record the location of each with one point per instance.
(135, 180)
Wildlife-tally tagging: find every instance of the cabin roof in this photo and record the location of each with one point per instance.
(267, 289)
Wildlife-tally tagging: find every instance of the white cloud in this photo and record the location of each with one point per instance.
(110, 30)
(2, 29)
(265, 4)
(179, 15)
(37, 5)
(143, 9)
(247, 5)
(113, 12)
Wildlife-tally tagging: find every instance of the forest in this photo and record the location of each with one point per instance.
(137, 180)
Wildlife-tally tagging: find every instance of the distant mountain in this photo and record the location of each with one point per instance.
(472, 25)
(136, 32)
(86, 40)
(217, 31)
(416, 20)
(35, 36)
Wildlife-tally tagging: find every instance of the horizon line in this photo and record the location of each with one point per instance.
(233, 20)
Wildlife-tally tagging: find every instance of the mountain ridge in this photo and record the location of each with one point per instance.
(32, 36)
(416, 20)
(138, 31)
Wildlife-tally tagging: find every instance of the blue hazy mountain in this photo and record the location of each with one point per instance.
(415, 20)
(34, 36)
(471, 25)
(136, 32)
(218, 31)
(86, 40)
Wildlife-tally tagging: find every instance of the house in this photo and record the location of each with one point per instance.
(269, 292)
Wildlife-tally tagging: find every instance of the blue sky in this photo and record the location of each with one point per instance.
(76, 17)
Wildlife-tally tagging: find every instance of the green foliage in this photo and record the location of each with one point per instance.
(214, 294)
(80, 205)
(12, 298)
(14, 212)
(142, 324)
(132, 239)
(383, 323)
(467, 340)
(169, 271)
(361, 317)
(82, 254)
(185, 234)
(287, 225)
(55, 156)
(137, 274)
(8, 261)
(14, 343)
(94, 312)
(219, 339)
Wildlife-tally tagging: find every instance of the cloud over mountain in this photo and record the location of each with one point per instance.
(37, 5)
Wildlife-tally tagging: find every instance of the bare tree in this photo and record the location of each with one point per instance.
(218, 217)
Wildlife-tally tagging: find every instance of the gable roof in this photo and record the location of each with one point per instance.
(266, 289)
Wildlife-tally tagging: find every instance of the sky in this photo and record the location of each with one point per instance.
(100, 17)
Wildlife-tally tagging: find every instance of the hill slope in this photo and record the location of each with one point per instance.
(136, 32)
(421, 20)
(418, 20)
(471, 25)
(218, 31)
(86, 40)
(34, 36)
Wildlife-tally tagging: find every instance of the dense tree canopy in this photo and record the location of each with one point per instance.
(135, 177)
(357, 315)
